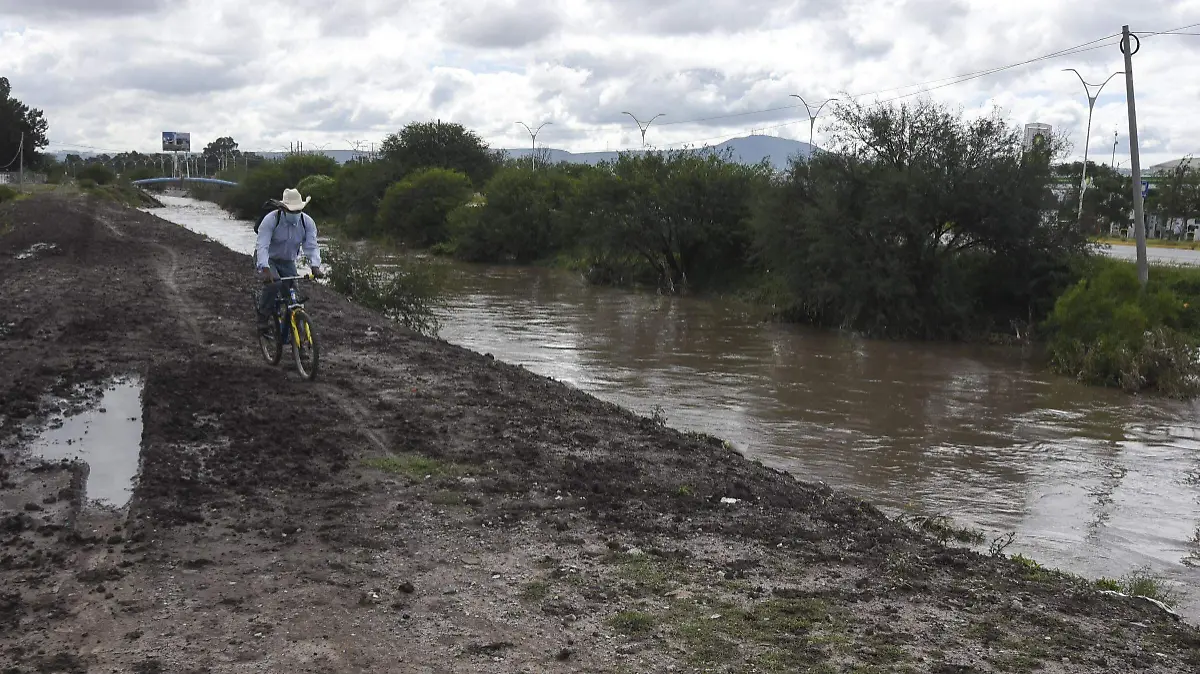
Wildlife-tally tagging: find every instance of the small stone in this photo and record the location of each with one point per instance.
(407, 587)
(636, 552)
(564, 654)
(592, 551)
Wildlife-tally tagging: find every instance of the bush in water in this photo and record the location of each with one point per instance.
(919, 224)
(323, 191)
(270, 179)
(415, 209)
(1106, 330)
(407, 292)
(521, 217)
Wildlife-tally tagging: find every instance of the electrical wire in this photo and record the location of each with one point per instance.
(20, 149)
(1077, 49)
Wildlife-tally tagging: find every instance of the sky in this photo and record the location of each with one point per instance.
(113, 74)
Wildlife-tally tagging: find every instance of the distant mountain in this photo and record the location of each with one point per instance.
(746, 150)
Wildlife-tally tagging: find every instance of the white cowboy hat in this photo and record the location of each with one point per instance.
(292, 202)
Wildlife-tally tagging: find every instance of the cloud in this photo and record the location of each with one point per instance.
(113, 73)
(77, 9)
(501, 24)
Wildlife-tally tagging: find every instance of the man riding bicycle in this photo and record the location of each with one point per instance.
(281, 236)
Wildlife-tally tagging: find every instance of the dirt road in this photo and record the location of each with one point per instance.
(423, 508)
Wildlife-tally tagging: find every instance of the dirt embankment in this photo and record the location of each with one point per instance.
(424, 508)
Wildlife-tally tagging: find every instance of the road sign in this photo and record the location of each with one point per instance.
(173, 141)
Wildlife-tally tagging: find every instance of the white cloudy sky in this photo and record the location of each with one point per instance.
(113, 74)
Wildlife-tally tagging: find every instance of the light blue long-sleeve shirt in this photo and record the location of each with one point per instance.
(283, 238)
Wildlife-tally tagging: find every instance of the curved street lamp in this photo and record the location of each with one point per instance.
(533, 136)
(1087, 90)
(812, 117)
(642, 127)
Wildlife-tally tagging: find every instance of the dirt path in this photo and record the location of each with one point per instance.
(423, 508)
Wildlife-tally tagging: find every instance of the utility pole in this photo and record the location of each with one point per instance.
(21, 152)
(1087, 90)
(533, 134)
(1139, 216)
(643, 127)
(1113, 162)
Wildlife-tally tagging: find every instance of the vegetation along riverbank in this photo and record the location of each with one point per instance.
(916, 223)
(428, 508)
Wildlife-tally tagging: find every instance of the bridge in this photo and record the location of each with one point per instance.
(206, 181)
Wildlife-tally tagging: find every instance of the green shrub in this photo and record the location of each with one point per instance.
(407, 292)
(520, 218)
(270, 179)
(415, 209)
(323, 190)
(87, 183)
(7, 193)
(1106, 330)
(97, 173)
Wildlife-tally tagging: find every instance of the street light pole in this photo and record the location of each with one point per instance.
(642, 127)
(812, 119)
(1087, 89)
(533, 136)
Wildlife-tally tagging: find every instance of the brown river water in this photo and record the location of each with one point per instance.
(1092, 481)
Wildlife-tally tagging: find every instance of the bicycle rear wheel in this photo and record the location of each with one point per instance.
(305, 349)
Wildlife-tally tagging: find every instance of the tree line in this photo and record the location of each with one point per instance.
(916, 223)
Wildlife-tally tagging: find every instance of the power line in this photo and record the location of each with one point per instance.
(1077, 49)
(1173, 31)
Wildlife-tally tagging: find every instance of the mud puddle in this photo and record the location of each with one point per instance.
(107, 437)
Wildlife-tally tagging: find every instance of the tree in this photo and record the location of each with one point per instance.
(1177, 195)
(224, 151)
(1107, 202)
(98, 173)
(440, 145)
(522, 216)
(415, 209)
(16, 118)
(918, 223)
(323, 191)
(684, 214)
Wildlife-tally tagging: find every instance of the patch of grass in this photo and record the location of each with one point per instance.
(446, 498)
(648, 577)
(683, 490)
(1141, 583)
(1107, 584)
(414, 466)
(535, 591)
(944, 529)
(633, 622)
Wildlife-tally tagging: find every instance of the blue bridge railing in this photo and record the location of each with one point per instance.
(207, 181)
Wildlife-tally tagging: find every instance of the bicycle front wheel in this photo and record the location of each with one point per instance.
(269, 342)
(305, 349)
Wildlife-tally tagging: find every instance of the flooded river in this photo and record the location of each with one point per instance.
(1092, 481)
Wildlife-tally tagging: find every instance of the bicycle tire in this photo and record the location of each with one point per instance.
(270, 345)
(305, 332)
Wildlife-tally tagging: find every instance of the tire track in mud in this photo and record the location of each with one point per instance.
(178, 302)
(357, 414)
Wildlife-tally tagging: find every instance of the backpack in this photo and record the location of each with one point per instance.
(273, 204)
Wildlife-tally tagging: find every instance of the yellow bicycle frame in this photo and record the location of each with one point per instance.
(296, 331)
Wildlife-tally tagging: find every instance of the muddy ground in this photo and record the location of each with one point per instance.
(423, 508)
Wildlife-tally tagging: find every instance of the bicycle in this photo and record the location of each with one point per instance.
(290, 323)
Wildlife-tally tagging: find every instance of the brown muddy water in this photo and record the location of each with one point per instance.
(1091, 481)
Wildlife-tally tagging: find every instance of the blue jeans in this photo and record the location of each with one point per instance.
(266, 301)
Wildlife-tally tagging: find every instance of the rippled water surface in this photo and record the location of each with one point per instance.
(1092, 481)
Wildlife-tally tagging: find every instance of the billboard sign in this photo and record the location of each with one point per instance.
(174, 141)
